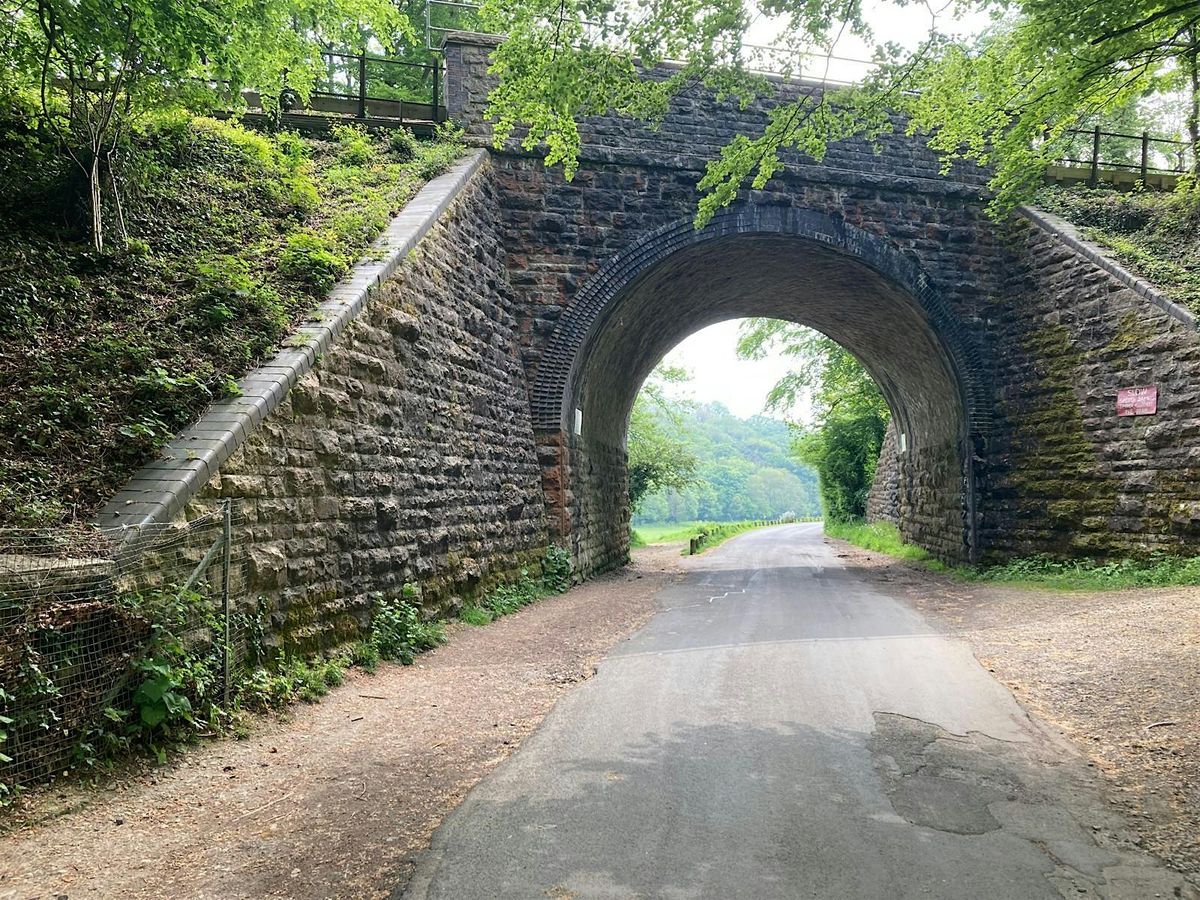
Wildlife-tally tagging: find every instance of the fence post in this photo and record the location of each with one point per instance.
(226, 536)
(362, 85)
(1095, 176)
(437, 104)
(1145, 155)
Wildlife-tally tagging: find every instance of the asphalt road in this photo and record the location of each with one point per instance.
(780, 729)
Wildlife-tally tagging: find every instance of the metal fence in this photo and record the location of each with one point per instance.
(1101, 151)
(367, 86)
(85, 616)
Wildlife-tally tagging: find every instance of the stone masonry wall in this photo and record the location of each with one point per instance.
(633, 180)
(1054, 332)
(883, 503)
(1069, 476)
(406, 454)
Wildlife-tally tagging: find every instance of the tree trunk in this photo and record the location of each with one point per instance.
(1193, 116)
(122, 233)
(97, 211)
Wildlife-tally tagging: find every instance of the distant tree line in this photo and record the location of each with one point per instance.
(843, 436)
(733, 469)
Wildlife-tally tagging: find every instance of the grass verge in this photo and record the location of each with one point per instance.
(709, 534)
(1034, 571)
(882, 537)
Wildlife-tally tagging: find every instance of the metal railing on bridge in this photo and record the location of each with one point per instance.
(1119, 158)
(366, 86)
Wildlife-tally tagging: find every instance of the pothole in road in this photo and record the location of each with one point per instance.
(975, 784)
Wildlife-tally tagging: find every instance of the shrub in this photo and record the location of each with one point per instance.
(313, 258)
(403, 144)
(399, 632)
(556, 569)
(365, 655)
(226, 292)
(354, 145)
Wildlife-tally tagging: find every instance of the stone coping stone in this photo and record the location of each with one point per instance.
(160, 489)
(1069, 235)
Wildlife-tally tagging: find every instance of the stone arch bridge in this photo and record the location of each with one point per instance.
(1000, 350)
(462, 400)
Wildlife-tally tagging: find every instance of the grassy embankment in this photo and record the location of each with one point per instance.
(1156, 235)
(1037, 571)
(232, 238)
(710, 534)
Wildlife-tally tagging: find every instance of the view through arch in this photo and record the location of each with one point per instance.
(797, 265)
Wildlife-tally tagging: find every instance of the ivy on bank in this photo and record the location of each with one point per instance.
(234, 237)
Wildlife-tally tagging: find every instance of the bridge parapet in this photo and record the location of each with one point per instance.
(698, 126)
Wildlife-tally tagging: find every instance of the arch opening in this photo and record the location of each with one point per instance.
(847, 285)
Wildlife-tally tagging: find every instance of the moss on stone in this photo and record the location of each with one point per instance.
(1133, 331)
(1061, 477)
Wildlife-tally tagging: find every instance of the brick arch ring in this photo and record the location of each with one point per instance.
(551, 397)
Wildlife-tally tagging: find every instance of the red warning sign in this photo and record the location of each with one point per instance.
(1137, 401)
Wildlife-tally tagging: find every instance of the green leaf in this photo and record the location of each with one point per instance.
(153, 714)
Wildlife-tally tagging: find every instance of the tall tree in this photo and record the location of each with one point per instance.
(658, 457)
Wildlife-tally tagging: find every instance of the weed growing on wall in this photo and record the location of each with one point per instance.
(175, 690)
(399, 632)
(172, 691)
(556, 569)
(508, 598)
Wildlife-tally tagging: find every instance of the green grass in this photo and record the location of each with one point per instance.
(1090, 575)
(882, 537)
(1035, 571)
(475, 615)
(669, 533)
(507, 598)
(233, 238)
(710, 534)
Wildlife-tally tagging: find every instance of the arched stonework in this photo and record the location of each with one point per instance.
(550, 393)
(785, 262)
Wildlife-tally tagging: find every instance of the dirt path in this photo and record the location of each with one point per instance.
(1118, 672)
(337, 801)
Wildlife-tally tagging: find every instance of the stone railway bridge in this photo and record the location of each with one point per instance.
(465, 403)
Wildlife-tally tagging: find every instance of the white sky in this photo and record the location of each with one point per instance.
(907, 26)
(710, 355)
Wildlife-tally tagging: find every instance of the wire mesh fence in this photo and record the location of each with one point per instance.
(96, 628)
